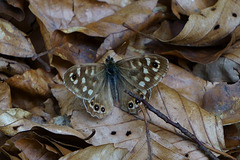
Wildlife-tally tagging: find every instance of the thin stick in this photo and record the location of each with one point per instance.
(206, 151)
(147, 133)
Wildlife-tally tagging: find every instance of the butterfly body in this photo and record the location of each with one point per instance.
(101, 86)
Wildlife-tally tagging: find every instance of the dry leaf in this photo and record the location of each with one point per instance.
(34, 82)
(14, 42)
(5, 97)
(208, 27)
(186, 7)
(223, 100)
(222, 70)
(100, 152)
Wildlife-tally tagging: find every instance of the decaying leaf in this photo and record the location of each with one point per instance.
(100, 152)
(207, 27)
(14, 42)
(222, 70)
(34, 82)
(223, 100)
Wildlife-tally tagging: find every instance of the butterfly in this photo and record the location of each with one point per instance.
(102, 85)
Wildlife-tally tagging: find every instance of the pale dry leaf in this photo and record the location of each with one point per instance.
(122, 3)
(222, 70)
(34, 82)
(13, 42)
(133, 15)
(57, 15)
(223, 100)
(67, 101)
(208, 27)
(13, 122)
(126, 131)
(186, 84)
(186, 7)
(97, 153)
(5, 96)
(10, 67)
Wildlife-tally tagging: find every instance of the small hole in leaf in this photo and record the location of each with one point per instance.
(213, 9)
(217, 27)
(234, 14)
(113, 133)
(128, 133)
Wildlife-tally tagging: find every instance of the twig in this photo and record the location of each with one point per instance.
(176, 125)
(147, 133)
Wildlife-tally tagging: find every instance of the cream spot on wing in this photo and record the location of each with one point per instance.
(155, 69)
(84, 89)
(148, 61)
(157, 61)
(145, 70)
(78, 71)
(131, 63)
(139, 63)
(134, 78)
(94, 83)
(76, 89)
(90, 91)
(83, 80)
(86, 71)
(70, 75)
(146, 79)
(75, 82)
(92, 72)
(156, 77)
(141, 83)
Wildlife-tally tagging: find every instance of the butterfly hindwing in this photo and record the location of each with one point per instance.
(85, 80)
(144, 72)
(126, 102)
(101, 104)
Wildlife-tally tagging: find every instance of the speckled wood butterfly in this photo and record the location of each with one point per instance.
(102, 85)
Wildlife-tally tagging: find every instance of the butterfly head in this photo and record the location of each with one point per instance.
(111, 68)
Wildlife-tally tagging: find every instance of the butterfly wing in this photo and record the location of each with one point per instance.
(126, 102)
(144, 72)
(102, 103)
(85, 80)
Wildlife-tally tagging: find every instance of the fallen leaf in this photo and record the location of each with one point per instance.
(34, 82)
(223, 100)
(207, 27)
(14, 42)
(100, 152)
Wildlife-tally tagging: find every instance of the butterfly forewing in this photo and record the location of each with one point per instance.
(85, 80)
(144, 72)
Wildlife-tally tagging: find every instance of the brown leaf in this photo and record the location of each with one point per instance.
(206, 28)
(186, 7)
(223, 100)
(100, 152)
(75, 14)
(34, 82)
(5, 96)
(10, 67)
(221, 70)
(126, 131)
(13, 42)
(13, 8)
(186, 84)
